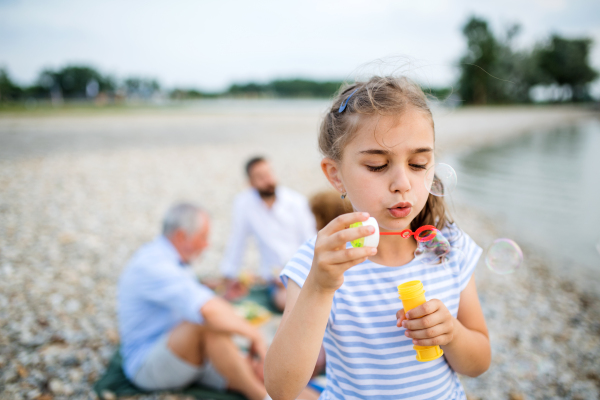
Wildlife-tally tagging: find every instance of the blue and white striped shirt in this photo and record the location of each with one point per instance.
(368, 356)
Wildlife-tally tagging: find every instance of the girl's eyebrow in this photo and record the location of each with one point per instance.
(422, 150)
(387, 152)
(375, 151)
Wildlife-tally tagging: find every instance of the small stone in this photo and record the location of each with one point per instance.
(75, 375)
(112, 335)
(33, 394)
(23, 373)
(10, 376)
(57, 387)
(108, 395)
(516, 396)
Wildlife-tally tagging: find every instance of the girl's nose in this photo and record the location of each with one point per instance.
(400, 182)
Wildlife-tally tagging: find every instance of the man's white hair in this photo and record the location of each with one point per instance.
(184, 216)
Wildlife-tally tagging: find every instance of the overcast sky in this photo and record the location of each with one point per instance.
(211, 44)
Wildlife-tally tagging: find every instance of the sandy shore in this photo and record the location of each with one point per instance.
(81, 192)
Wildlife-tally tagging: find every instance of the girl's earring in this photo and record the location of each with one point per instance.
(343, 196)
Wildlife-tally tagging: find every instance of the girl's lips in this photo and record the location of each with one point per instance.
(400, 211)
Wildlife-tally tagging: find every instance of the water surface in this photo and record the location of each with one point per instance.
(545, 185)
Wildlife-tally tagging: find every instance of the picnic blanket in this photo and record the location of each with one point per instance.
(115, 382)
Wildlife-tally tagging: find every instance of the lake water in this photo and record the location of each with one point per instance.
(545, 185)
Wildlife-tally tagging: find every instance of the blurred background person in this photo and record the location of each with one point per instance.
(174, 331)
(326, 206)
(279, 219)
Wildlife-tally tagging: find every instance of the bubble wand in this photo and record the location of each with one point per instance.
(423, 234)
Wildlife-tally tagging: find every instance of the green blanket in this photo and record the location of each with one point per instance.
(115, 382)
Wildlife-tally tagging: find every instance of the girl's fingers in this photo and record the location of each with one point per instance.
(428, 333)
(400, 317)
(423, 323)
(339, 239)
(436, 341)
(429, 307)
(347, 265)
(348, 255)
(344, 221)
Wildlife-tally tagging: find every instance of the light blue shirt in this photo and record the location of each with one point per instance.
(279, 231)
(156, 293)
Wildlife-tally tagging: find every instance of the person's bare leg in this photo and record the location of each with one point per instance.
(186, 341)
(228, 361)
(194, 343)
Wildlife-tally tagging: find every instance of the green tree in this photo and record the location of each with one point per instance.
(287, 88)
(475, 82)
(492, 71)
(74, 82)
(141, 87)
(566, 62)
(9, 91)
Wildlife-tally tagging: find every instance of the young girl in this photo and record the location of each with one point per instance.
(378, 141)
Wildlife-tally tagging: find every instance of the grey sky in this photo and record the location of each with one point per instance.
(210, 44)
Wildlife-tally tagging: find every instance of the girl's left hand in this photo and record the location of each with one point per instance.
(429, 324)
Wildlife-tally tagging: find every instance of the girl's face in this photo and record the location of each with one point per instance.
(383, 168)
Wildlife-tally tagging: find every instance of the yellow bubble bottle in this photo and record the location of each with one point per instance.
(412, 295)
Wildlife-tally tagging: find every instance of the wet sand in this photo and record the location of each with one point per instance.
(81, 191)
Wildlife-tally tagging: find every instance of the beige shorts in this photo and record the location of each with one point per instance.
(163, 370)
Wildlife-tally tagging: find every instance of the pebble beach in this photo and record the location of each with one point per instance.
(81, 191)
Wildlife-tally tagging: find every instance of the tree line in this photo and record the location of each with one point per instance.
(76, 82)
(492, 71)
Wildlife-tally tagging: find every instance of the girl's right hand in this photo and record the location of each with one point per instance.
(332, 258)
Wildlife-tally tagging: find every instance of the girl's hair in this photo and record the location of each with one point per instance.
(381, 95)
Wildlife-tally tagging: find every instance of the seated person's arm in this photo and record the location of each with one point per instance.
(220, 316)
(170, 287)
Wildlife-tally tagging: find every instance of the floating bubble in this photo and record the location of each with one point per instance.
(435, 247)
(440, 179)
(504, 256)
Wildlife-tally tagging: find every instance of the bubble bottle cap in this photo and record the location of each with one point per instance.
(369, 241)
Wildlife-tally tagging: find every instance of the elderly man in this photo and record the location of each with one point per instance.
(279, 218)
(174, 330)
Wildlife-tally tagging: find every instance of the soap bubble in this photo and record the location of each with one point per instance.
(504, 256)
(433, 249)
(440, 179)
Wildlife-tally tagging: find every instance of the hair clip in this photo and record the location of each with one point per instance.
(345, 103)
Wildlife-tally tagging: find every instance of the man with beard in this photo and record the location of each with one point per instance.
(280, 220)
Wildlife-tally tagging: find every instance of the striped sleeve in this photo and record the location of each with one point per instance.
(298, 267)
(471, 253)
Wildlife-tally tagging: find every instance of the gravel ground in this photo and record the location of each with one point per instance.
(70, 217)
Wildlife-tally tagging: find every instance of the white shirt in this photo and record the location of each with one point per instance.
(279, 230)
